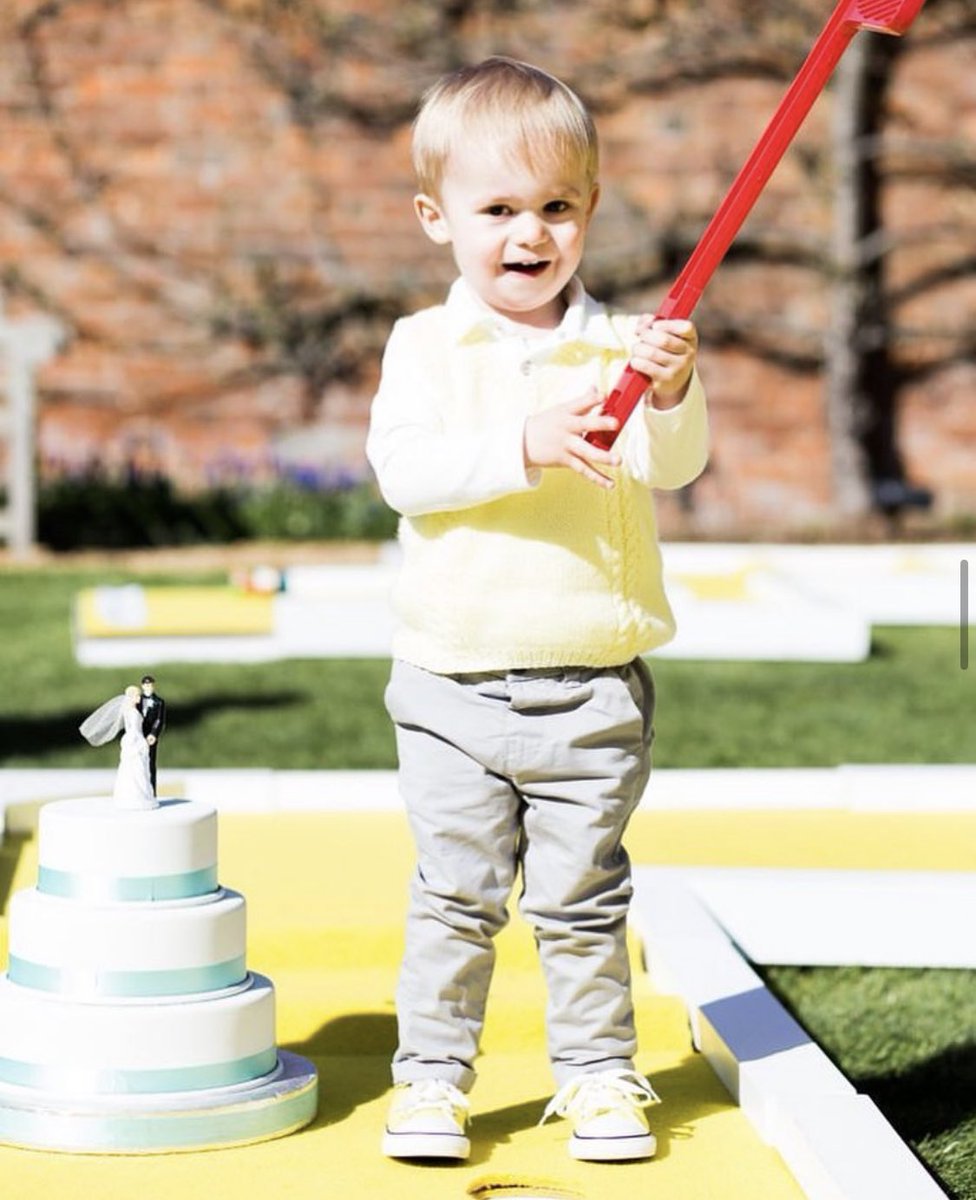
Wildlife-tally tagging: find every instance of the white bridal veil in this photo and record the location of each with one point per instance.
(105, 722)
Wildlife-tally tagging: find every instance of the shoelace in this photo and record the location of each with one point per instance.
(589, 1094)
(438, 1094)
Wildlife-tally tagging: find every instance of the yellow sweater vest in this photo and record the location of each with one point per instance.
(556, 573)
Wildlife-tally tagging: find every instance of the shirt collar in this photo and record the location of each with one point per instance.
(472, 321)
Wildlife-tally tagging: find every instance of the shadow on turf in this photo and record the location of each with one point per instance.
(10, 850)
(353, 1055)
(930, 1097)
(30, 736)
(671, 1121)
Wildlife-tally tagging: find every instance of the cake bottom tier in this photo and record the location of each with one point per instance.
(62, 1048)
(270, 1107)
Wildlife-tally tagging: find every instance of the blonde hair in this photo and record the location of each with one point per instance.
(522, 110)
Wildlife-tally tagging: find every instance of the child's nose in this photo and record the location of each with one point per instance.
(530, 231)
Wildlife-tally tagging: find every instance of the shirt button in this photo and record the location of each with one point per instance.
(526, 367)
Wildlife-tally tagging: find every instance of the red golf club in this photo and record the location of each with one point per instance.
(883, 16)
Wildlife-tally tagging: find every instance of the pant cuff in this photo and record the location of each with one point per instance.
(564, 1072)
(414, 1072)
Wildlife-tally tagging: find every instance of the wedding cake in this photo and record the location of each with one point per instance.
(129, 1021)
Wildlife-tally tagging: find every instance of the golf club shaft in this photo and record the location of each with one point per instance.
(738, 201)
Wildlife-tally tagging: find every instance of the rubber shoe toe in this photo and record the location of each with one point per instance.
(427, 1119)
(606, 1109)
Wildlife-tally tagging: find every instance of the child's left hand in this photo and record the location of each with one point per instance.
(665, 352)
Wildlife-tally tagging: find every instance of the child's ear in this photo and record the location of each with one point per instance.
(594, 200)
(432, 219)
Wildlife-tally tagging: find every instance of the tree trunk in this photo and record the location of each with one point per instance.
(845, 404)
(861, 378)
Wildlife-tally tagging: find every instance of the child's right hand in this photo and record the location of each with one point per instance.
(556, 438)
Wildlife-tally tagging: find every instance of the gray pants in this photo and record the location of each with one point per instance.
(539, 769)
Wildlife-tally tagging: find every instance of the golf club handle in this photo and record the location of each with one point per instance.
(678, 303)
(620, 404)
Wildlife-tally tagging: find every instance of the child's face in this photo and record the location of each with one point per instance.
(517, 230)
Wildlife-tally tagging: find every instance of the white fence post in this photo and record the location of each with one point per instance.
(24, 344)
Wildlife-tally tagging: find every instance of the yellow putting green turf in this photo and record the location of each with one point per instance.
(839, 839)
(325, 895)
(173, 612)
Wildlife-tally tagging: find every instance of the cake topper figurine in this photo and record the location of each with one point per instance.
(153, 709)
(133, 783)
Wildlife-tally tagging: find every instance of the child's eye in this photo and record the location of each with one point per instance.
(557, 206)
(497, 210)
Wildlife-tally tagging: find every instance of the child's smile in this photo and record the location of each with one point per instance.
(527, 268)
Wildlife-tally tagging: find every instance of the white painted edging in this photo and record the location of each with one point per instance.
(828, 917)
(836, 1143)
(933, 788)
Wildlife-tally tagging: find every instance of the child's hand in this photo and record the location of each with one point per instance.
(665, 352)
(555, 438)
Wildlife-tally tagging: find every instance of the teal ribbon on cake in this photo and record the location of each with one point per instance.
(73, 885)
(82, 983)
(105, 1082)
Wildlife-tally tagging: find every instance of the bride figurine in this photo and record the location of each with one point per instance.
(133, 786)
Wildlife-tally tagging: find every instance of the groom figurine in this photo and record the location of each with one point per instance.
(153, 709)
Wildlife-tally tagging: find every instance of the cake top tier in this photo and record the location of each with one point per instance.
(89, 849)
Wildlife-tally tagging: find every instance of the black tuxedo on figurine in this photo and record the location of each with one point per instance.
(153, 709)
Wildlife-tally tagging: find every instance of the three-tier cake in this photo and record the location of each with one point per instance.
(129, 1021)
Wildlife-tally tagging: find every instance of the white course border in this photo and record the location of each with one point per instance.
(912, 787)
(836, 1142)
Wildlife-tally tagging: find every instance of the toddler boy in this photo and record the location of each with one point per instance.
(529, 589)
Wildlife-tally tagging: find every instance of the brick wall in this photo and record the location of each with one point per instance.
(214, 198)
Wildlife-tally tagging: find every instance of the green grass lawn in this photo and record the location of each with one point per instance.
(910, 702)
(907, 1038)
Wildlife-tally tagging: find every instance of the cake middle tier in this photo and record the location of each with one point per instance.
(108, 951)
(55, 1045)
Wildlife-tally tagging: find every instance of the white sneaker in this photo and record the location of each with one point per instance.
(427, 1119)
(606, 1109)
